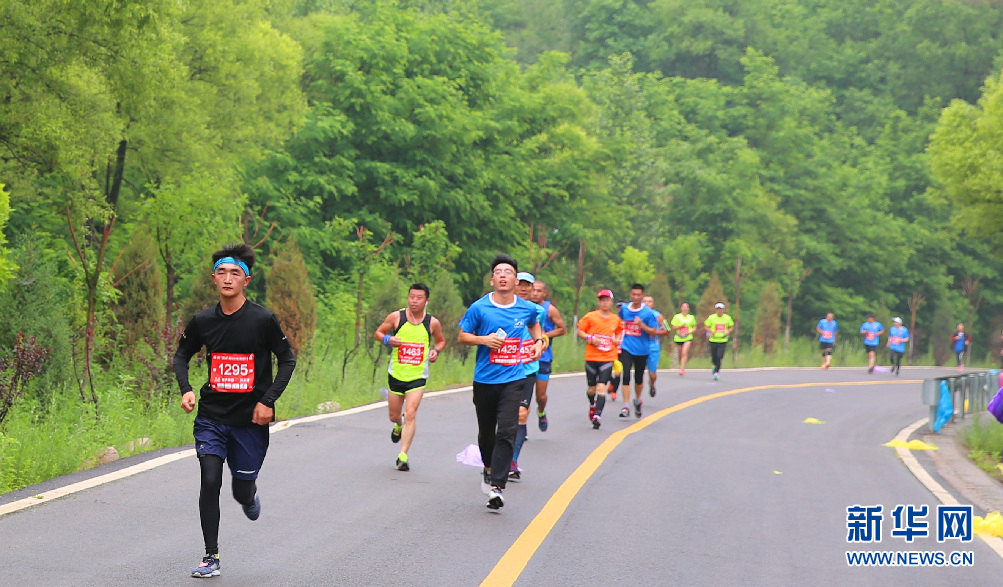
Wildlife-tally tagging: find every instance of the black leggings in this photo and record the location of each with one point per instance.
(896, 359)
(497, 406)
(212, 482)
(717, 353)
(638, 362)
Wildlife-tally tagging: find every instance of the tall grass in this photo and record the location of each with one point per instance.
(984, 438)
(42, 441)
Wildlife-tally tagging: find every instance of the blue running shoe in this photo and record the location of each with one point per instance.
(209, 567)
(253, 510)
(543, 421)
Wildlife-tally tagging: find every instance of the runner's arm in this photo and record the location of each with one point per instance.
(188, 346)
(555, 316)
(283, 351)
(440, 340)
(660, 330)
(388, 327)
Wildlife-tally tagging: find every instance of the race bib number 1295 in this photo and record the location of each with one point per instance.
(232, 372)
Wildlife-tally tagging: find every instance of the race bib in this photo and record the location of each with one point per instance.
(894, 340)
(827, 334)
(232, 373)
(526, 351)
(603, 343)
(870, 336)
(507, 354)
(631, 329)
(411, 353)
(684, 331)
(720, 328)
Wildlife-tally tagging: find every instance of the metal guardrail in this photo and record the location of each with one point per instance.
(970, 393)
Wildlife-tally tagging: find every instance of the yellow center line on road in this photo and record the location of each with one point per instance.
(515, 559)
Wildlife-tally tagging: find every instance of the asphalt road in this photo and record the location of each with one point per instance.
(733, 490)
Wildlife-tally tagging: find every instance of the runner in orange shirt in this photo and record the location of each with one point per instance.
(600, 329)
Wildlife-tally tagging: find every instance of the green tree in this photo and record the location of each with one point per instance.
(767, 329)
(634, 267)
(290, 295)
(187, 219)
(941, 328)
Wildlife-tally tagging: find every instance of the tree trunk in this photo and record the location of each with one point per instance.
(738, 307)
(787, 329)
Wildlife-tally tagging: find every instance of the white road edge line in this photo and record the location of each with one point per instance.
(928, 481)
(47, 496)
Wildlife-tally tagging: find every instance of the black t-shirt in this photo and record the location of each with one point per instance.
(239, 349)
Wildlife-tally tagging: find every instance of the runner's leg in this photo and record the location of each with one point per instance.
(413, 398)
(211, 467)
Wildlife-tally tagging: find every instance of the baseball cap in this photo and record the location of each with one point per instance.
(718, 305)
(605, 293)
(525, 276)
(897, 320)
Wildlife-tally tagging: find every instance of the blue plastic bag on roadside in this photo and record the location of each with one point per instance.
(945, 409)
(995, 406)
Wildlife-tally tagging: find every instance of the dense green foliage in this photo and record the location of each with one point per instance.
(836, 156)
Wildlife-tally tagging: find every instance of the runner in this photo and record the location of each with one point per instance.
(599, 329)
(683, 325)
(898, 335)
(553, 326)
(719, 326)
(655, 347)
(639, 324)
(409, 332)
(827, 337)
(872, 332)
(238, 402)
(523, 290)
(494, 324)
(960, 343)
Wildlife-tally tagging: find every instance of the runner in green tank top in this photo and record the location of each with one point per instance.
(408, 333)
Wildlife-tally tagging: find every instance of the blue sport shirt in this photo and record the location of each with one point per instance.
(485, 317)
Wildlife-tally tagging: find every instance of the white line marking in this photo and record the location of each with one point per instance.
(928, 481)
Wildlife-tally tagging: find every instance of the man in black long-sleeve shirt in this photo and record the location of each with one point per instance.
(237, 403)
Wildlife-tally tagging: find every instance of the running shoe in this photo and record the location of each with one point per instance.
(495, 499)
(514, 472)
(871, 369)
(682, 372)
(592, 412)
(637, 408)
(395, 434)
(209, 567)
(252, 510)
(625, 412)
(402, 463)
(651, 390)
(486, 481)
(716, 377)
(612, 395)
(596, 422)
(543, 421)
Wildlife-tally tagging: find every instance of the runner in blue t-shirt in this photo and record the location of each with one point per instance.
(898, 335)
(553, 326)
(872, 331)
(960, 343)
(495, 324)
(826, 329)
(640, 323)
(523, 289)
(655, 346)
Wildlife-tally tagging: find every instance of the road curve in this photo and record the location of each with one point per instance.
(720, 483)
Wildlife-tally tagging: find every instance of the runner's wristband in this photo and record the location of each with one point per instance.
(386, 339)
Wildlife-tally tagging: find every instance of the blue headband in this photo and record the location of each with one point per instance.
(232, 261)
